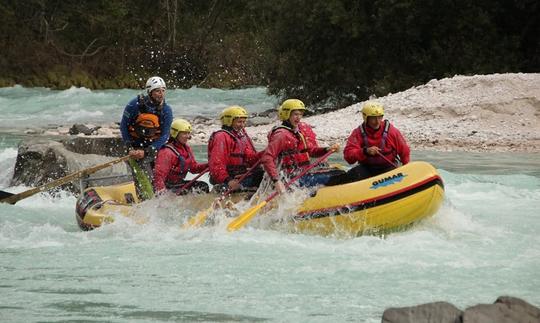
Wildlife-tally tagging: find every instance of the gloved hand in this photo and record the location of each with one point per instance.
(280, 187)
(334, 147)
(136, 153)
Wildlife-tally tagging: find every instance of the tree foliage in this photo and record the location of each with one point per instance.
(326, 52)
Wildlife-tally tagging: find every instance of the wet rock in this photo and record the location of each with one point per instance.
(201, 120)
(269, 113)
(505, 310)
(107, 146)
(81, 128)
(40, 161)
(441, 312)
(257, 121)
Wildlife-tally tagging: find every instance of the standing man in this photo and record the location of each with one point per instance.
(376, 145)
(231, 152)
(145, 128)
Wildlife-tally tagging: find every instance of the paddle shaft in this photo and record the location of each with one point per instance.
(63, 180)
(388, 160)
(240, 179)
(244, 218)
(302, 173)
(201, 216)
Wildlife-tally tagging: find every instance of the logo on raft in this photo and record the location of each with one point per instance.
(396, 178)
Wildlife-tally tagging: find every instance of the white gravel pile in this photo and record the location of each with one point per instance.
(498, 112)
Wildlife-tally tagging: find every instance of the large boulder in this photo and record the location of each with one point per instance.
(440, 312)
(106, 146)
(505, 310)
(40, 161)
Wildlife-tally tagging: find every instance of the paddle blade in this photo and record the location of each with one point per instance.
(5, 195)
(244, 218)
(197, 220)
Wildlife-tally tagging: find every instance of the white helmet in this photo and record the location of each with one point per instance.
(155, 82)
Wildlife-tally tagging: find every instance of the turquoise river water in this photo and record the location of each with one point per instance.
(482, 243)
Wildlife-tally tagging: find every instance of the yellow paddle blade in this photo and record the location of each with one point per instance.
(197, 220)
(244, 218)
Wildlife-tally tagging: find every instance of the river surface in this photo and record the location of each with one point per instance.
(483, 243)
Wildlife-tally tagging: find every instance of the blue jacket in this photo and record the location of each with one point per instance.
(131, 112)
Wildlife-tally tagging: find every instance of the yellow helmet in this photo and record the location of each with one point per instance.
(372, 109)
(179, 125)
(229, 114)
(284, 111)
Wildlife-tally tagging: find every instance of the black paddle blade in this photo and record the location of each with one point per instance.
(5, 195)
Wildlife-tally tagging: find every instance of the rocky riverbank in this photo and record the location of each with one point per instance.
(481, 113)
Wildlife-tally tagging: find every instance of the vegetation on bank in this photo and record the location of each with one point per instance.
(323, 51)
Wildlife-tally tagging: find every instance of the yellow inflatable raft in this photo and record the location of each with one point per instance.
(387, 202)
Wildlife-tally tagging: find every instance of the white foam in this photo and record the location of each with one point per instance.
(8, 157)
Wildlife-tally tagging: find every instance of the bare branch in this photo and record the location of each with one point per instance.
(84, 53)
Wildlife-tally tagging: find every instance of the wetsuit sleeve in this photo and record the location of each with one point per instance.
(316, 151)
(353, 151)
(164, 162)
(403, 150)
(275, 146)
(259, 155)
(195, 167)
(199, 168)
(165, 125)
(251, 155)
(219, 152)
(130, 112)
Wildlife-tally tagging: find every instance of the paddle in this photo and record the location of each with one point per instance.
(14, 198)
(201, 216)
(143, 185)
(388, 160)
(245, 217)
(188, 184)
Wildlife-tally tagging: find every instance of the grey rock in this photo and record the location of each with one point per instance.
(438, 312)
(81, 128)
(107, 146)
(40, 161)
(257, 121)
(201, 120)
(505, 310)
(270, 113)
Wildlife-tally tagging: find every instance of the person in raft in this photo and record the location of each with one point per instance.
(145, 127)
(376, 145)
(231, 153)
(175, 160)
(287, 145)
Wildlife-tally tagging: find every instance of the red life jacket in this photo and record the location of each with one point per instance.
(146, 125)
(237, 160)
(297, 157)
(179, 170)
(389, 153)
